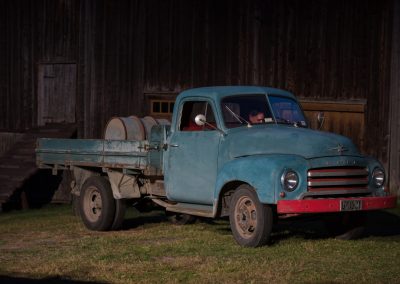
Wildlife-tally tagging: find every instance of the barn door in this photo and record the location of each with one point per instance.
(56, 93)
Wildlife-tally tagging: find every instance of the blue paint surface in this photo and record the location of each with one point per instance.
(197, 170)
(198, 164)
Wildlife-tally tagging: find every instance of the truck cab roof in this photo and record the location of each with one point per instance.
(218, 92)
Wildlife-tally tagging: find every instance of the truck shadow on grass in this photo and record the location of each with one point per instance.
(47, 280)
(132, 223)
(143, 216)
(377, 224)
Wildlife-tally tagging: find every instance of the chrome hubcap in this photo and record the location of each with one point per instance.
(245, 217)
(93, 204)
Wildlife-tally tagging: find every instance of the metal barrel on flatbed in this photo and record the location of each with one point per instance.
(131, 128)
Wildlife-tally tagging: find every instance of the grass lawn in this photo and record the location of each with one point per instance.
(52, 244)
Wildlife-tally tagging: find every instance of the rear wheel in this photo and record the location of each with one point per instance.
(120, 209)
(75, 205)
(97, 204)
(251, 222)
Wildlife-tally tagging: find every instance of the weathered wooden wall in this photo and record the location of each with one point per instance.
(7, 140)
(344, 117)
(111, 62)
(319, 49)
(32, 32)
(394, 118)
(332, 50)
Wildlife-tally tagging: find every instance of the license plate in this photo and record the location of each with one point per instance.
(350, 205)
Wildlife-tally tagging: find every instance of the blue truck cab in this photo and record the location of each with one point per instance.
(245, 152)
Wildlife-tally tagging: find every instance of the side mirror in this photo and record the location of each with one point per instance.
(320, 119)
(200, 119)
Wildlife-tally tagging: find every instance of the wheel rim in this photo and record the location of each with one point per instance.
(92, 204)
(245, 217)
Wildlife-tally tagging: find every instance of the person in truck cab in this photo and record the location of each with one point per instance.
(256, 116)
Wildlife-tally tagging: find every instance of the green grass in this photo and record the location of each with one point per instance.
(52, 243)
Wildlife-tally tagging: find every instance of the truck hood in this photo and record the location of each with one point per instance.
(284, 139)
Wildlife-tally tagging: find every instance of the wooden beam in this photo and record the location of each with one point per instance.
(338, 106)
(394, 121)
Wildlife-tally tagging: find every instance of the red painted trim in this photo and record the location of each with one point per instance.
(333, 204)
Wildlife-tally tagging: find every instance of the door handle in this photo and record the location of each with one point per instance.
(174, 145)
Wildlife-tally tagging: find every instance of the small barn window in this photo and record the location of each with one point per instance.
(162, 107)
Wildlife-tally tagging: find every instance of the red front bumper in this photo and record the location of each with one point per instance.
(333, 204)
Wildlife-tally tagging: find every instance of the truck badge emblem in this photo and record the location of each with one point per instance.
(340, 149)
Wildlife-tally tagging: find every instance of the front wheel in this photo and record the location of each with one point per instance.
(250, 220)
(97, 204)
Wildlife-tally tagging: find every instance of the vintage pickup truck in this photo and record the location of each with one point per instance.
(216, 160)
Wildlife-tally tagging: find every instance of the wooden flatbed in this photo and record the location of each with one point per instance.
(64, 153)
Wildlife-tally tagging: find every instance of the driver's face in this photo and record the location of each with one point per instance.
(258, 118)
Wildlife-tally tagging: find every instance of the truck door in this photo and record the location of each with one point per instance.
(192, 155)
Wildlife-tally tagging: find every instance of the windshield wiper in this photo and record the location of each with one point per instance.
(282, 120)
(294, 123)
(238, 117)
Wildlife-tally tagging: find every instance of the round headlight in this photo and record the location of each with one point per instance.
(290, 180)
(378, 177)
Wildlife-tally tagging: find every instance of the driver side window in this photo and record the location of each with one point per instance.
(190, 110)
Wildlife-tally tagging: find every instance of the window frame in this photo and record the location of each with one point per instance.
(194, 100)
(170, 103)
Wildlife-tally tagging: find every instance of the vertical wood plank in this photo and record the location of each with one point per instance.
(394, 141)
(328, 50)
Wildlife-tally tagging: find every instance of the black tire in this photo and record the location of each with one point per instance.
(180, 218)
(346, 226)
(120, 209)
(145, 205)
(75, 205)
(97, 204)
(251, 222)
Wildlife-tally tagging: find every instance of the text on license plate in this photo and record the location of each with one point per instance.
(350, 205)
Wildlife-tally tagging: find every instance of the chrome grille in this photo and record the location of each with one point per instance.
(342, 179)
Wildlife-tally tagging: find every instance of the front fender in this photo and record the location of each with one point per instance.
(263, 172)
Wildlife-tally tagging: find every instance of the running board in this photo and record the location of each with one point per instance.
(187, 208)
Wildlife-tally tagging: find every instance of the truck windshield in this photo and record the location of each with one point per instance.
(287, 110)
(243, 110)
